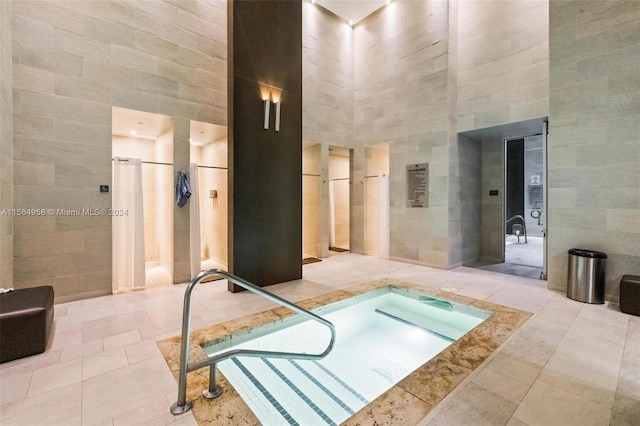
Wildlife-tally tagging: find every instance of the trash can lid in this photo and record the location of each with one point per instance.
(588, 253)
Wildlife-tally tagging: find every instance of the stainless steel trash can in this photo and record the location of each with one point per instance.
(586, 275)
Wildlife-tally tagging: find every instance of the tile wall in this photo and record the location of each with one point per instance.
(6, 147)
(401, 96)
(594, 128)
(72, 62)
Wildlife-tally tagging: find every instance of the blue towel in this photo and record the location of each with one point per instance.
(183, 189)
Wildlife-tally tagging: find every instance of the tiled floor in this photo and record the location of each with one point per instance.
(520, 258)
(571, 364)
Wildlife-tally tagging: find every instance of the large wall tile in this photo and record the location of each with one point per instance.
(73, 62)
(594, 124)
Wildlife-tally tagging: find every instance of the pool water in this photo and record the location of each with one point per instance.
(381, 337)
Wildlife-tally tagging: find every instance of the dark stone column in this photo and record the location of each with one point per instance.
(265, 166)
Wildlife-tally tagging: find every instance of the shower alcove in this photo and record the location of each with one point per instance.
(142, 151)
(376, 201)
(209, 200)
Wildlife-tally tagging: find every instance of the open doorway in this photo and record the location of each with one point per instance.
(513, 198)
(339, 199)
(311, 203)
(376, 201)
(142, 188)
(523, 204)
(208, 214)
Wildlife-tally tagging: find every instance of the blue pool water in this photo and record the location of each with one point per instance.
(382, 336)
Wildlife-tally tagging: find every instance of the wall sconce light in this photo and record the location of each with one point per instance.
(277, 116)
(267, 107)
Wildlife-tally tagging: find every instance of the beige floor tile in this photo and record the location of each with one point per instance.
(515, 422)
(126, 380)
(151, 412)
(54, 377)
(626, 411)
(501, 385)
(14, 387)
(546, 405)
(187, 420)
(122, 339)
(78, 351)
(60, 407)
(123, 390)
(32, 363)
(607, 313)
(93, 366)
(477, 406)
(518, 364)
(65, 336)
(136, 352)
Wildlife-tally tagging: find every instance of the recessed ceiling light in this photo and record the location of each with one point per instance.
(133, 132)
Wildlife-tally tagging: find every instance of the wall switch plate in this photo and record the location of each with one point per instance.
(104, 188)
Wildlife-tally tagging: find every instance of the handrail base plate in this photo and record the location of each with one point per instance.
(181, 409)
(207, 394)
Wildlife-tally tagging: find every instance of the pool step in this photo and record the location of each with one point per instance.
(415, 320)
(308, 393)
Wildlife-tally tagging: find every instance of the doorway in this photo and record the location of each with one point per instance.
(376, 201)
(208, 214)
(311, 203)
(513, 183)
(339, 198)
(142, 237)
(523, 205)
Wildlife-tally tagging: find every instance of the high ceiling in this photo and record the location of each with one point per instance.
(138, 124)
(352, 11)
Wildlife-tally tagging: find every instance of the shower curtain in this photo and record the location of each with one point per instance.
(332, 215)
(383, 216)
(194, 220)
(128, 230)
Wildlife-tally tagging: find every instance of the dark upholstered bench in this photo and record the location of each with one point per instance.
(630, 294)
(26, 319)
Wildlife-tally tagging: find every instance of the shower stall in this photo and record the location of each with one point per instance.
(209, 198)
(142, 150)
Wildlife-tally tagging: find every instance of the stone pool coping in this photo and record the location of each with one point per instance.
(405, 403)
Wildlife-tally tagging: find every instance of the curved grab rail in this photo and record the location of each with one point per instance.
(524, 225)
(182, 405)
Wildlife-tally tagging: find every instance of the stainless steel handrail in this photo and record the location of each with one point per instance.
(524, 225)
(182, 405)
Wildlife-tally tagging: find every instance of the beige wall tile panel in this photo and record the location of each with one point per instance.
(109, 73)
(51, 12)
(151, 44)
(6, 145)
(48, 59)
(132, 58)
(31, 31)
(130, 98)
(81, 45)
(156, 84)
(50, 105)
(108, 32)
(33, 126)
(43, 244)
(27, 173)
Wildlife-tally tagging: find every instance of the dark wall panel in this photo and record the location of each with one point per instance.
(265, 166)
(515, 182)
